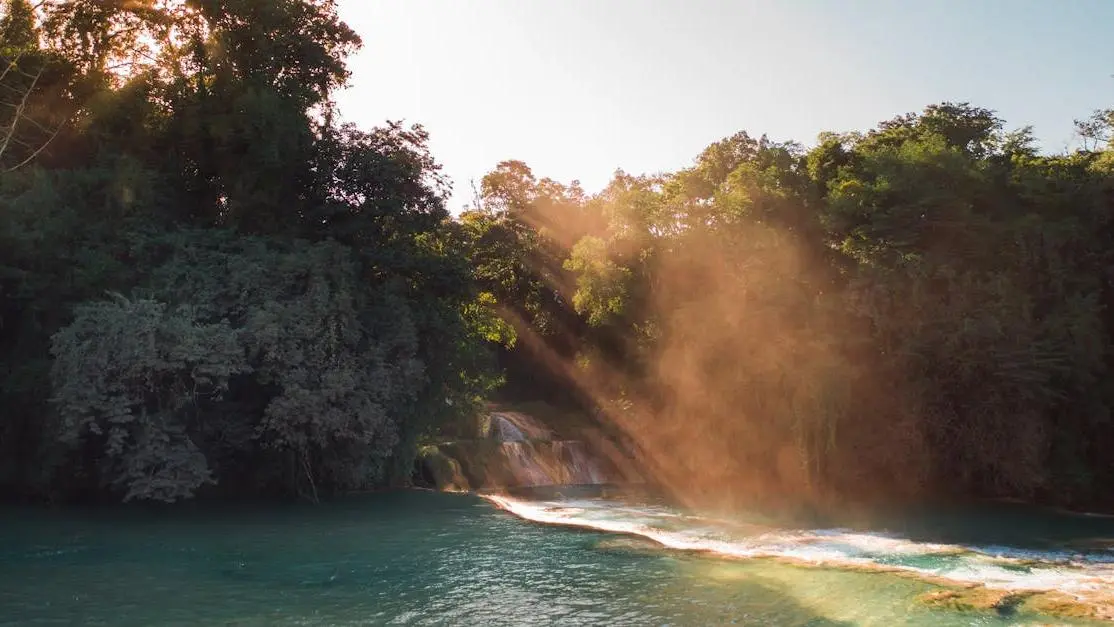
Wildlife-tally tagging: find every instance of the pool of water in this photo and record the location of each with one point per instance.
(427, 558)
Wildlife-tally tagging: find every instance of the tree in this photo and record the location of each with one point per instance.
(129, 378)
(922, 307)
(1097, 131)
(204, 176)
(24, 132)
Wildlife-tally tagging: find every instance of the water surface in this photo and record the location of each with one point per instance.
(420, 558)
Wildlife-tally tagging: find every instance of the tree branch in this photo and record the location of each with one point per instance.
(37, 151)
(19, 115)
(11, 66)
(18, 111)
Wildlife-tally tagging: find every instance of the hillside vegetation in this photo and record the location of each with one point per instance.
(208, 285)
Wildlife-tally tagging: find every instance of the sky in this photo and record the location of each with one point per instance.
(580, 88)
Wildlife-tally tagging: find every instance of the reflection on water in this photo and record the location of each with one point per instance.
(409, 558)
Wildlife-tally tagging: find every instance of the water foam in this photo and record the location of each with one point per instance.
(1083, 575)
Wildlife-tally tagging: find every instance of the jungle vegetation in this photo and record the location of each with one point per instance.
(209, 285)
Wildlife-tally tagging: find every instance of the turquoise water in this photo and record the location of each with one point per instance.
(423, 558)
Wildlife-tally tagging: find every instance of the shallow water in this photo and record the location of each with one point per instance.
(1064, 557)
(426, 558)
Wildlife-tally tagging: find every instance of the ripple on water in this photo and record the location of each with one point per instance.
(1087, 578)
(425, 558)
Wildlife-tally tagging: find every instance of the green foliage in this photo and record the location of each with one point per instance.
(298, 307)
(128, 377)
(299, 314)
(481, 316)
(601, 284)
(926, 304)
(314, 366)
(17, 27)
(922, 306)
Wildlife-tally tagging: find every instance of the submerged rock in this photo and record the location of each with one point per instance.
(977, 598)
(443, 471)
(630, 545)
(1009, 602)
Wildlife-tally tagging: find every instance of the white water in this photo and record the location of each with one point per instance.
(523, 465)
(582, 468)
(562, 462)
(518, 427)
(508, 431)
(534, 458)
(1088, 576)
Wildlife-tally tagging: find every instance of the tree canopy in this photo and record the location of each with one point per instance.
(919, 309)
(207, 282)
(209, 285)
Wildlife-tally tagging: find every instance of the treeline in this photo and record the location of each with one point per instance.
(207, 284)
(210, 286)
(923, 309)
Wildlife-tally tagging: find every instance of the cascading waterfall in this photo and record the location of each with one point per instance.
(517, 450)
(582, 467)
(507, 430)
(534, 458)
(523, 462)
(517, 427)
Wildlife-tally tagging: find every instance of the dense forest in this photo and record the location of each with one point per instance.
(211, 286)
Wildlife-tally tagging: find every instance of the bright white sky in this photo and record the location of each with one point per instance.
(578, 88)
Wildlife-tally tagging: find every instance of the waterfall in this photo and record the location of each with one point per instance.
(507, 431)
(517, 450)
(582, 467)
(533, 458)
(516, 427)
(524, 465)
(560, 462)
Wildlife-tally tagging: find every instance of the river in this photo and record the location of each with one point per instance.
(425, 558)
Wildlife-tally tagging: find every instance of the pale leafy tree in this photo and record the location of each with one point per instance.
(151, 385)
(1096, 131)
(131, 375)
